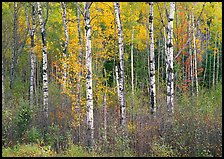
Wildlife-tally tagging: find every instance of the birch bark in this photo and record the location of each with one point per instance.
(121, 68)
(45, 69)
(89, 90)
(195, 56)
(170, 85)
(32, 56)
(152, 62)
(63, 9)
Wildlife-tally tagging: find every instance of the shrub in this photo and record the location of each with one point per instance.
(23, 118)
(27, 151)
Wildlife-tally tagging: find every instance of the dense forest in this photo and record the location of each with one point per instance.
(112, 79)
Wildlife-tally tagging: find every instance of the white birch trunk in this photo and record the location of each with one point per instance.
(170, 85)
(195, 56)
(64, 64)
(132, 65)
(152, 62)
(206, 54)
(3, 90)
(45, 74)
(117, 81)
(213, 79)
(32, 57)
(89, 90)
(121, 68)
(80, 71)
(217, 70)
(14, 47)
(105, 108)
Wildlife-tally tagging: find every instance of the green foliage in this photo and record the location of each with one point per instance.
(7, 123)
(163, 150)
(34, 135)
(23, 118)
(27, 151)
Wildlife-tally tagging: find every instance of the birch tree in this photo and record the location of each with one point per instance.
(63, 9)
(89, 90)
(191, 58)
(152, 62)
(215, 52)
(45, 70)
(32, 55)
(80, 71)
(195, 56)
(3, 90)
(169, 65)
(14, 46)
(121, 66)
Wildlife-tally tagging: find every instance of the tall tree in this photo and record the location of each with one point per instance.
(195, 56)
(215, 52)
(14, 46)
(121, 66)
(89, 87)
(65, 46)
(32, 55)
(152, 62)
(170, 85)
(80, 71)
(218, 52)
(3, 90)
(45, 61)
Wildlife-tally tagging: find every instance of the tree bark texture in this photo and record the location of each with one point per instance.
(89, 90)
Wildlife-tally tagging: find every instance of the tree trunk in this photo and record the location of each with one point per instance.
(32, 56)
(45, 70)
(215, 52)
(14, 46)
(121, 68)
(132, 72)
(170, 85)
(152, 62)
(206, 54)
(195, 56)
(217, 70)
(210, 66)
(158, 67)
(105, 109)
(191, 59)
(65, 46)
(89, 90)
(80, 72)
(3, 90)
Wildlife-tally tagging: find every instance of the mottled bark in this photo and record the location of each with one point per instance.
(32, 56)
(80, 71)
(121, 68)
(89, 90)
(152, 63)
(105, 108)
(195, 56)
(132, 71)
(170, 84)
(65, 46)
(45, 69)
(206, 54)
(215, 52)
(217, 70)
